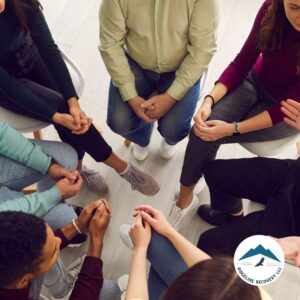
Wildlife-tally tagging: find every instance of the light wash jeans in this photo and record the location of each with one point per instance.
(15, 176)
(166, 265)
(173, 127)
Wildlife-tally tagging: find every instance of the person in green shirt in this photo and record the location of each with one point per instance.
(155, 52)
(51, 164)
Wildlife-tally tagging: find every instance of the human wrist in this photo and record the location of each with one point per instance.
(140, 250)
(95, 247)
(73, 102)
(56, 117)
(210, 100)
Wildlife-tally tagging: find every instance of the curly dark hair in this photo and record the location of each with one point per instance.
(20, 9)
(271, 29)
(211, 279)
(22, 238)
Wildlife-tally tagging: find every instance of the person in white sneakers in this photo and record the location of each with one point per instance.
(155, 58)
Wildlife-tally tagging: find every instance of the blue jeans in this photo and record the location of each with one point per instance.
(173, 127)
(15, 177)
(166, 265)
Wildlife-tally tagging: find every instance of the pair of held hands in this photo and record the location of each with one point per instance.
(95, 218)
(213, 130)
(68, 182)
(152, 109)
(76, 120)
(147, 217)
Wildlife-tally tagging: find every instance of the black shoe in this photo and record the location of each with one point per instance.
(78, 240)
(215, 217)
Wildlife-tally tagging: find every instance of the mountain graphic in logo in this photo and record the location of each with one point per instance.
(259, 250)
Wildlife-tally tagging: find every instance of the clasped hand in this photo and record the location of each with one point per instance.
(211, 130)
(152, 109)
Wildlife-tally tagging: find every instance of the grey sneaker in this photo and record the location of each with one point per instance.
(141, 181)
(94, 180)
(177, 214)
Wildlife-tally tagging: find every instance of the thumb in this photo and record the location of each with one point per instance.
(146, 217)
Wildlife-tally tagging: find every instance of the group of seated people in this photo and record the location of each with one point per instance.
(156, 53)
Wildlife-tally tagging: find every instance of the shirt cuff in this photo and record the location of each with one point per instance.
(176, 90)
(128, 91)
(51, 197)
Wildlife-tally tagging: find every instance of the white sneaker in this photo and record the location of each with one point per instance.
(177, 214)
(166, 150)
(140, 153)
(123, 283)
(124, 235)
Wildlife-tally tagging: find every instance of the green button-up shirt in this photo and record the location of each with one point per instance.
(160, 35)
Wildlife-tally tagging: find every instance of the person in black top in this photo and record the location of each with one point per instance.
(34, 81)
(269, 181)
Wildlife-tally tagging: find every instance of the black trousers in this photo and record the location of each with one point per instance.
(30, 70)
(257, 179)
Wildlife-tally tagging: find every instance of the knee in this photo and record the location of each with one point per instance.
(65, 155)
(207, 242)
(121, 122)
(174, 132)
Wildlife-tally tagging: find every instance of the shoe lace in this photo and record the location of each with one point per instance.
(134, 179)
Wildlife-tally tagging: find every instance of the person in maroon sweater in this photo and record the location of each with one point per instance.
(245, 103)
(29, 248)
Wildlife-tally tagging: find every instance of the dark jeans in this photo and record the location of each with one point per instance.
(28, 67)
(246, 101)
(264, 180)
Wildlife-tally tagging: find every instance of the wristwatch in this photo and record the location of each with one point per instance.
(236, 128)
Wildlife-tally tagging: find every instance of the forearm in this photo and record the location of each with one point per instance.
(188, 251)
(95, 246)
(137, 285)
(16, 147)
(69, 230)
(217, 92)
(37, 203)
(260, 121)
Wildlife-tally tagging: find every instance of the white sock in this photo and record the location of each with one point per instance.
(126, 170)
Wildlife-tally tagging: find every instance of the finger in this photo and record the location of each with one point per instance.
(77, 120)
(289, 113)
(205, 130)
(293, 103)
(98, 212)
(147, 218)
(107, 206)
(148, 104)
(91, 207)
(71, 175)
(290, 122)
(147, 208)
(212, 123)
(290, 107)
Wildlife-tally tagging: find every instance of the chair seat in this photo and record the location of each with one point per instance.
(271, 148)
(21, 123)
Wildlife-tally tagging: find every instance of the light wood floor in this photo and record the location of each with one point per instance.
(74, 24)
